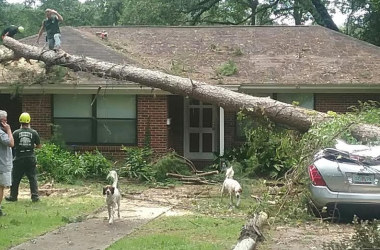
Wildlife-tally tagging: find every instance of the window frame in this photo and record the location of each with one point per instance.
(94, 121)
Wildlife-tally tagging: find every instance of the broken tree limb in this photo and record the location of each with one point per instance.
(188, 179)
(208, 173)
(278, 112)
(251, 232)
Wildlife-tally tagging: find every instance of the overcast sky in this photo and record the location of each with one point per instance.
(338, 17)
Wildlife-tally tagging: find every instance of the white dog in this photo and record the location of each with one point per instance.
(112, 197)
(231, 187)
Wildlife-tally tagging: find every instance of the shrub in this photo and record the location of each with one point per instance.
(95, 164)
(227, 69)
(138, 163)
(64, 166)
(169, 163)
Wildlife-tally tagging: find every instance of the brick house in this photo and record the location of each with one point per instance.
(317, 67)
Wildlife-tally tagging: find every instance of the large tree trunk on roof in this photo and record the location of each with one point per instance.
(278, 112)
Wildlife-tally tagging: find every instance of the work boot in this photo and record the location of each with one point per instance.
(10, 198)
(35, 199)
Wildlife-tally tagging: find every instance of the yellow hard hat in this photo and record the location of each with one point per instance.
(24, 118)
(20, 29)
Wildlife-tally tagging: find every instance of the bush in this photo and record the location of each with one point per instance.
(227, 69)
(138, 163)
(64, 166)
(95, 164)
(169, 164)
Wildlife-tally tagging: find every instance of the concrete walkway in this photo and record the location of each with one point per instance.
(95, 232)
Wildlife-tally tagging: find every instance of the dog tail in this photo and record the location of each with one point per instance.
(113, 175)
(230, 173)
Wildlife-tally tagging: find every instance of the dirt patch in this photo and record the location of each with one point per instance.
(139, 208)
(305, 236)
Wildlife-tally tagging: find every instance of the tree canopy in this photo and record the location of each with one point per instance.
(363, 16)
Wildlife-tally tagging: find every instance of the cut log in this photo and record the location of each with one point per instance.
(278, 112)
(251, 232)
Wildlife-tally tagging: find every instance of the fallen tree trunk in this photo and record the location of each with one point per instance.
(6, 54)
(251, 232)
(278, 112)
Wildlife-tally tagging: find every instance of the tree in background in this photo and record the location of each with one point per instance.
(363, 15)
(363, 20)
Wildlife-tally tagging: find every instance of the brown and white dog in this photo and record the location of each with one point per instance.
(112, 197)
(231, 187)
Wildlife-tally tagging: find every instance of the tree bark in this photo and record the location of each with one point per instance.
(251, 232)
(6, 54)
(324, 14)
(294, 117)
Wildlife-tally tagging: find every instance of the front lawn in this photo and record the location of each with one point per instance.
(184, 233)
(26, 220)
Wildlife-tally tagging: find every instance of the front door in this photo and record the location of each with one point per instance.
(199, 121)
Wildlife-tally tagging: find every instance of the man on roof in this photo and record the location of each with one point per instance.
(51, 25)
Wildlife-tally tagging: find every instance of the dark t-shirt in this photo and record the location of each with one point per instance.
(25, 140)
(51, 27)
(11, 30)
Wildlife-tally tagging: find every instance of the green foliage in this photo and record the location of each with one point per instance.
(152, 12)
(96, 165)
(227, 69)
(169, 163)
(138, 163)
(64, 166)
(366, 236)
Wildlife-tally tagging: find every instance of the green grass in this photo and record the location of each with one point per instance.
(26, 220)
(184, 232)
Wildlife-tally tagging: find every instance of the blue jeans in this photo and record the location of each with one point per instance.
(55, 42)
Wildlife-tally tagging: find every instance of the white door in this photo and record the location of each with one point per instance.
(199, 121)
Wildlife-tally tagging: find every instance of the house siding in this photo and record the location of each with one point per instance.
(341, 102)
(152, 112)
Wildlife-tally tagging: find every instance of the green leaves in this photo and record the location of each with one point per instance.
(64, 166)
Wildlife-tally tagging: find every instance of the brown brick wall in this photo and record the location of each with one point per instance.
(152, 112)
(39, 108)
(341, 102)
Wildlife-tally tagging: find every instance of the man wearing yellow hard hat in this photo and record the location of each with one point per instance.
(11, 31)
(25, 162)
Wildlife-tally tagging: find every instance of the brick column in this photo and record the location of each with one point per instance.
(152, 112)
(40, 110)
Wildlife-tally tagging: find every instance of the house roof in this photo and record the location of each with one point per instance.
(265, 56)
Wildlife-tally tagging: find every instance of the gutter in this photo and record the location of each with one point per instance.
(341, 88)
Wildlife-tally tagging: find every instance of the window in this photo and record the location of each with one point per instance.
(303, 100)
(110, 119)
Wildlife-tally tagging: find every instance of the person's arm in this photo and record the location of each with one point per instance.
(59, 17)
(40, 32)
(7, 129)
(37, 143)
(4, 33)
